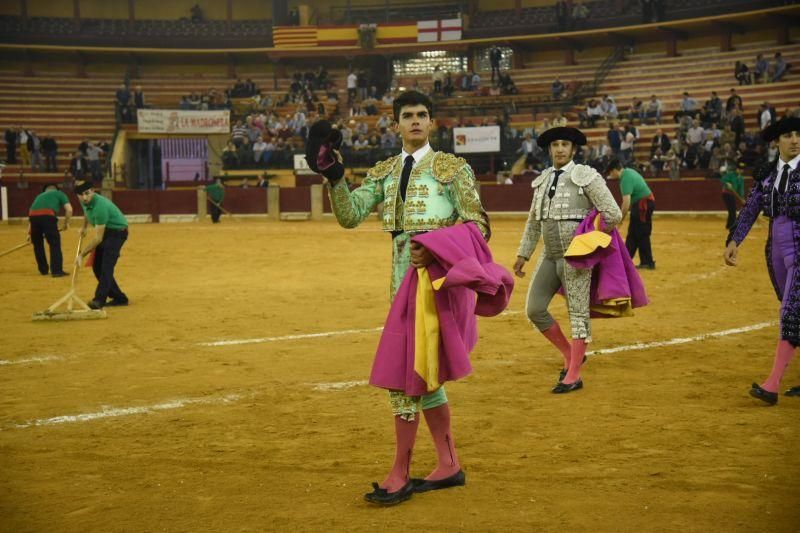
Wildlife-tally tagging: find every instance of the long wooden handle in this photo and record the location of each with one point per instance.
(14, 249)
(220, 207)
(74, 266)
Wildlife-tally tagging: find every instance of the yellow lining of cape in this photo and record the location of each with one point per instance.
(426, 330)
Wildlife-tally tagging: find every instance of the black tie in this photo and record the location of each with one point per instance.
(784, 180)
(405, 175)
(552, 191)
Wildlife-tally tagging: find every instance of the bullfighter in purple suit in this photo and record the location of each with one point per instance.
(776, 193)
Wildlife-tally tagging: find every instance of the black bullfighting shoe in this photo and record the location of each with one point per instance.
(764, 395)
(563, 388)
(459, 479)
(794, 391)
(383, 497)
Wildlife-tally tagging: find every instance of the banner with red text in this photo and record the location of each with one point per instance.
(174, 121)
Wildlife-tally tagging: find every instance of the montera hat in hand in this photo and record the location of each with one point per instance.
(573, 135)
(784, 125)
(323, 138)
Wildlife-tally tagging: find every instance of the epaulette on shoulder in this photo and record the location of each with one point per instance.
(382, 168)
(582, 175)
(542, 177)
(447, 166)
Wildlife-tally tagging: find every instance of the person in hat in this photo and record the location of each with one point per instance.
(422, 190)
(563, 196)
(639, 200)
(111, 232)
(732, 191)
(43, 224)
(776, 194)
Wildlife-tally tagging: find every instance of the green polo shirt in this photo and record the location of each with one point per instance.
(52, 199)
(735, 180)
(632, 184)
(102, 212)
(216, 192)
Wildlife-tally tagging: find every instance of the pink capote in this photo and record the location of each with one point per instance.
(463, 257)
(614, 274)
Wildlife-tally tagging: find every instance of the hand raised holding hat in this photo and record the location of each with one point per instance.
(322, 153)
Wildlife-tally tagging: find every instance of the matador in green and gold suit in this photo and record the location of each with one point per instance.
(441, 190)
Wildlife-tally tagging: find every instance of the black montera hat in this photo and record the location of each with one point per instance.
(573, 135)
(82, 186)
(784, 125)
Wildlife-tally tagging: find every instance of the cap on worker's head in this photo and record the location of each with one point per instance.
(82, 186)
(574, 135)
(48, 186)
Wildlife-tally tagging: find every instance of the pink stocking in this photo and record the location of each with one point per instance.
(405, 434)
(557, 339)
(576, 360)
(438, 419)
(783, 354)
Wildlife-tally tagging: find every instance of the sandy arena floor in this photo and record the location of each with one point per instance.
(134, 424)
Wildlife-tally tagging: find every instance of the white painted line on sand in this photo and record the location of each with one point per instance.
(38, 359)
(110, 412)
(341, 385)
(289, 337)
(681, 340)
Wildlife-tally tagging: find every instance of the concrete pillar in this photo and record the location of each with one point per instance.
(273, 202)
(202, 207)
(316, 201)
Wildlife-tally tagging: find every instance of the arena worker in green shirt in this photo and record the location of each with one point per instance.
(639, 200)
(216, 194)
(732, 190)
(43, 224)
(111, 232)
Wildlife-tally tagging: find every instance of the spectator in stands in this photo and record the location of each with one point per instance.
(507, 85)
(734, 102)
(35, 149)
(262, 181)
(609, 108)
(661, 142)
(780, 68)
(352, 86)
(245, 154)
(627, 146)
(24, 151)
(557, 88)
(696, 134)
(11, 146)
(388, 139)
(764, 116)
(647, 11)
(77, 166)
(689, 107)
(50, 149)
(559, 121)
(475, 82)
(93, 153)
(736, 122)
(184, 104)
(259, 151)
(196, 13)
(727, 136)
(742, 73)
(383, 123)
(591, 114)
(448, 88)
(761, 69)
(123, 97)
(138, 97)
(712, 109)
(672, 164)
(652, 110)
(657, 162)
(636, 110)
(495, 56)
(238, 133)
(438, 79)
(362, 82)
(614, 137)
(580, 14)
(230, 159)
(562, 15)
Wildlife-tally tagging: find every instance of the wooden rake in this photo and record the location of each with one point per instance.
(72, 300)
(14, 249)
